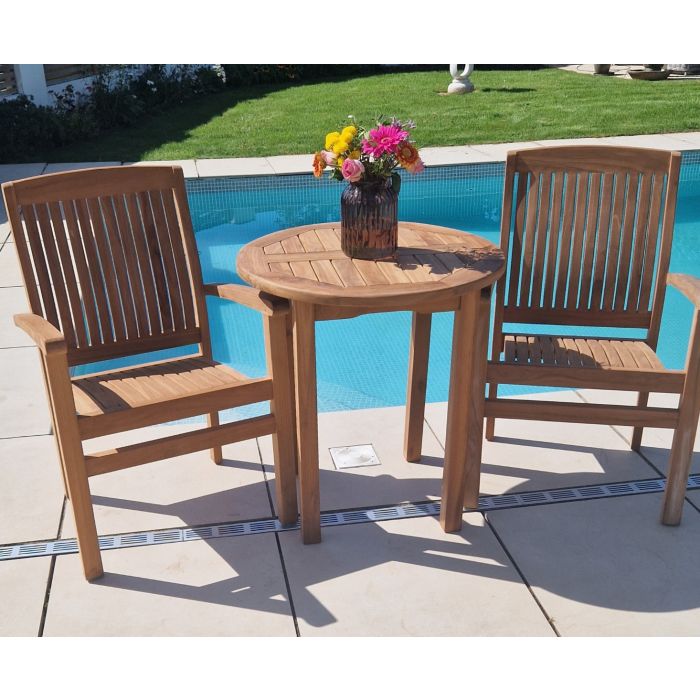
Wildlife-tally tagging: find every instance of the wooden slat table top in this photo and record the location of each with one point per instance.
(432, 263)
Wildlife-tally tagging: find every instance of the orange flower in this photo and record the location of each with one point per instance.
(406, 154)
(319, 164)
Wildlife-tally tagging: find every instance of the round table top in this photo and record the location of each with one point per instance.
(431, 263)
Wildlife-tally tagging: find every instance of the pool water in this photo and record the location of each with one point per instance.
(362, 362)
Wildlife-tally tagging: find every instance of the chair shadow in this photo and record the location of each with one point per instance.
(349, 549)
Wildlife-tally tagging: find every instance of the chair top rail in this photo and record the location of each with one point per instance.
(93, 182)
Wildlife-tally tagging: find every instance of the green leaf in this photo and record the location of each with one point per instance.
(396, 182)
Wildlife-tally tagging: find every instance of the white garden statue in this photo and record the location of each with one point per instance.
(460, 81)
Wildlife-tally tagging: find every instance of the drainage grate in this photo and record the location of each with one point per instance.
(349, 517)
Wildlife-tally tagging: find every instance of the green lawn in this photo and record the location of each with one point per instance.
(506, 106)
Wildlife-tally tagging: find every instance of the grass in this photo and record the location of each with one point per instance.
(506, 106)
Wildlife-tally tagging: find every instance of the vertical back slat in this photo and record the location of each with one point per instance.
(577, 242)
(565, 246)
(651, 242)
(623, 275)
(529, 242)
(139, 237)
(640, 234)
(106, 264)
(93, 262)
(183, 272)
(168, 257)
(58, 291)
(538, 264)
(591, 237)
(157, 265)
(40, 268)
(554, 236)
(131, 257)
(602, 240)
(87, 292)
(66, 259)
(122, 276)
(614, 242)
(518, 233)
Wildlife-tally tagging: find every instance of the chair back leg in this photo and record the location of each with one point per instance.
(637, 433)
(215, 452)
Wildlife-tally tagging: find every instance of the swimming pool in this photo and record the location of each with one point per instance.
(362, 362)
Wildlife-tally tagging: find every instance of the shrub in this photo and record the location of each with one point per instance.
(117, 96)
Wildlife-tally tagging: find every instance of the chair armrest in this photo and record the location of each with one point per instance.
(47, 337)
(248, 296)
(688, 285)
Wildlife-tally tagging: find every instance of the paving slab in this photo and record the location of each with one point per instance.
(499, 151)
(224, 587)
(189, 168)
(223, 167)
(13, 300)
(5, 230)
(188, 490)
(661, 141)
(10, 273)
(291, 165)
(690, 137)
(408, 578)
(31, 489)
(18, 171)
(394, 480)
(656, 442)
(533, 455)
(22, 592)
(452, 155)
(607, 567)
(24, 409)
(65, 167)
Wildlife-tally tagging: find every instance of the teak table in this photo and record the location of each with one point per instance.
(434, 269)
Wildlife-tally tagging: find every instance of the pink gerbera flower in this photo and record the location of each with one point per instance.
(383, 139)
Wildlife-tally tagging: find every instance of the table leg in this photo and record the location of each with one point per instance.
(417, 384)
(465, 409)
(307, 420)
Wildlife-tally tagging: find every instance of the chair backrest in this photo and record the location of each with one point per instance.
(108, 256)
(587, 231)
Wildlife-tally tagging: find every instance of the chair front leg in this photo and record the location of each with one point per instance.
(278, 342)
(684, 435)
(73, 462)
(216, 453)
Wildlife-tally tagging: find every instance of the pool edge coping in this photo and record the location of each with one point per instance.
(300, 164)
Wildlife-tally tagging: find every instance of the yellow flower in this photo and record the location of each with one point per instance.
(340, 146)
(331, 138)
(349, 133)
(355, 154)
(340, 161)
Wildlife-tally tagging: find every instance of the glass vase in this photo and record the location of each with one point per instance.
(369, 221)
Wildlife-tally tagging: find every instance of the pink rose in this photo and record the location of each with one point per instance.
(352, 170)
(417, 167)
(329, 157)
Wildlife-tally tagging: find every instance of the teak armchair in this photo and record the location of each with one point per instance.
(587, 231)
(111, 269)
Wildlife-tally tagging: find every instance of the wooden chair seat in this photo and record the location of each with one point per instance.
(160, 391)
(555, 351)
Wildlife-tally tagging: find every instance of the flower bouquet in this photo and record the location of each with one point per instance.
(368, 159)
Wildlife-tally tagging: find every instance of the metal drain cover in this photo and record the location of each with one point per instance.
(354, 456)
